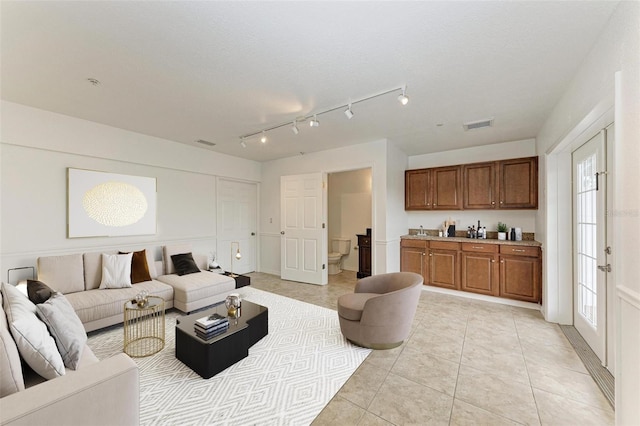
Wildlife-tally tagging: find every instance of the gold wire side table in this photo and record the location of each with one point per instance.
(144, 327)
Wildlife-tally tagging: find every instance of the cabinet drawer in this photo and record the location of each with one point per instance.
(480, 247)
(444, 245)
(414, 243)
(520, 250)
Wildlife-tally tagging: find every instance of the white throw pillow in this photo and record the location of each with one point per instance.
(116, 270)
(65, 327)
(34, 342)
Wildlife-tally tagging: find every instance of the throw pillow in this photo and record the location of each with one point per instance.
(38, 291)
(116, 270)
(65, 327)
(184, 264)
(35, 344)
(139, 267)
(11, 379)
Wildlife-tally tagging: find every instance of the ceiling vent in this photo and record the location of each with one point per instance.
(203, 142)
(472, 125)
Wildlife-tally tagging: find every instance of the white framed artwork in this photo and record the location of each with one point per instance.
(108, 204)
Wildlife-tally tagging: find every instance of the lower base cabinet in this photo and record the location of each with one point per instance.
(509, 271)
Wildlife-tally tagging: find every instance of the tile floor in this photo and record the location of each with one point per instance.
(465, 362)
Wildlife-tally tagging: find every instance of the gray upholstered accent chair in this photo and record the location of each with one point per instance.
(379, 313)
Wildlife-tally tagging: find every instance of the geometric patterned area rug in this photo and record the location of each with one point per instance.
(287, 379)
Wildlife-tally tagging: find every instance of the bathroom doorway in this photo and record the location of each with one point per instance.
(349, 203)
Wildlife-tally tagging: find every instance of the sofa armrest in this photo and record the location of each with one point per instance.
(104, 393)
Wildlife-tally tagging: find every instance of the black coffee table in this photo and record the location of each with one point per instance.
(209, 357)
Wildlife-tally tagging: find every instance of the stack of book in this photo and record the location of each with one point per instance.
(210, 326)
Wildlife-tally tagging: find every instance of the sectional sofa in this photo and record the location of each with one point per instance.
(97, 392)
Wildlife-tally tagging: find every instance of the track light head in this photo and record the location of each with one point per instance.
(294, 128)
(243, 143)
(263, 138)
(348, 112)
(403, 98)
(314, 122)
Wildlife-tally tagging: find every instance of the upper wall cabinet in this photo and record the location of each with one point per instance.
(433, 189)
(506, 184)
(518, 183)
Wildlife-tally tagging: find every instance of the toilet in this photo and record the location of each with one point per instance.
(339, 247)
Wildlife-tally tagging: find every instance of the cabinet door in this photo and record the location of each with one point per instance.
(443, 269)
(520, 278)
(412, 259)
(417, 193)
(479, 186)
(480, 273)
(364, 256)
(518, 183)
(446, 188)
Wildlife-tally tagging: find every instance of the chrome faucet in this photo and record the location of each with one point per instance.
(421, 230)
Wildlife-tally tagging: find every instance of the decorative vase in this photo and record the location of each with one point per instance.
(502, 235)
(232, 302)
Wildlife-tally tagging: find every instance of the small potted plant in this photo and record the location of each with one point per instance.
(502, 231)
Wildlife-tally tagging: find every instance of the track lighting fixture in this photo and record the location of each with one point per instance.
(403, 98)
(348, 112)
(313, 118)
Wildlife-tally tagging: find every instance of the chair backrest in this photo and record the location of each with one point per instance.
(387, 283)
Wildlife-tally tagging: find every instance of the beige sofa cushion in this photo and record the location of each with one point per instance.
(93, 305)
(168, 251)
(11, 379)
(201, 285)
(62, 273)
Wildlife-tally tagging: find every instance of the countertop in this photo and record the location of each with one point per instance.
(531, 243)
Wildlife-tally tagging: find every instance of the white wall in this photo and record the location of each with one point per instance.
(349, 205)
(524, 219)
(36, 150)
(396, 216)
(583, 103)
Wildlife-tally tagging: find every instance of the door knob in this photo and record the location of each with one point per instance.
(605, 268)
(282, 232)
(253, 234)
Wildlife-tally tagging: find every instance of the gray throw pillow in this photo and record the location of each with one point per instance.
(65, 327)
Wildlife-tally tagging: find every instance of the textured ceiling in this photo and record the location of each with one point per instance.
(217, 70)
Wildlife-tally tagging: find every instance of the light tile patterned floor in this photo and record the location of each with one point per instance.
(465, 362)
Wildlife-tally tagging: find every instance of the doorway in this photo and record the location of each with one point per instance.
(591, 250)
(349, 211)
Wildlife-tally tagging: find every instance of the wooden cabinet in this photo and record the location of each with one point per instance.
(504, 270)
(364, 256)
(417, 192)
(479, 268)
(520, 273)
(506, 184)
(479, 183)
(413, 257)
(518, 183)
(444, 264)
(433, 189)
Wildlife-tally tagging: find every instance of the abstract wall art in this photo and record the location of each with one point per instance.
(107, 204)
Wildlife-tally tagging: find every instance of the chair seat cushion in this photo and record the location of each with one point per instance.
(350, 306)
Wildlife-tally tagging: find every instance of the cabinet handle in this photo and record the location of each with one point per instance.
(424, 254)
(430, 254)
(493, 261)
(501, 202)
(493, 203)
(518, 250)
(502, 261)
(477, 247)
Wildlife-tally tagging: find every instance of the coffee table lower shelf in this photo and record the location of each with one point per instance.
(210, 357)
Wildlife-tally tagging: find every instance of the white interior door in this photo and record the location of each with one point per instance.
(237, 223)
(589, 243)
(303, 241)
